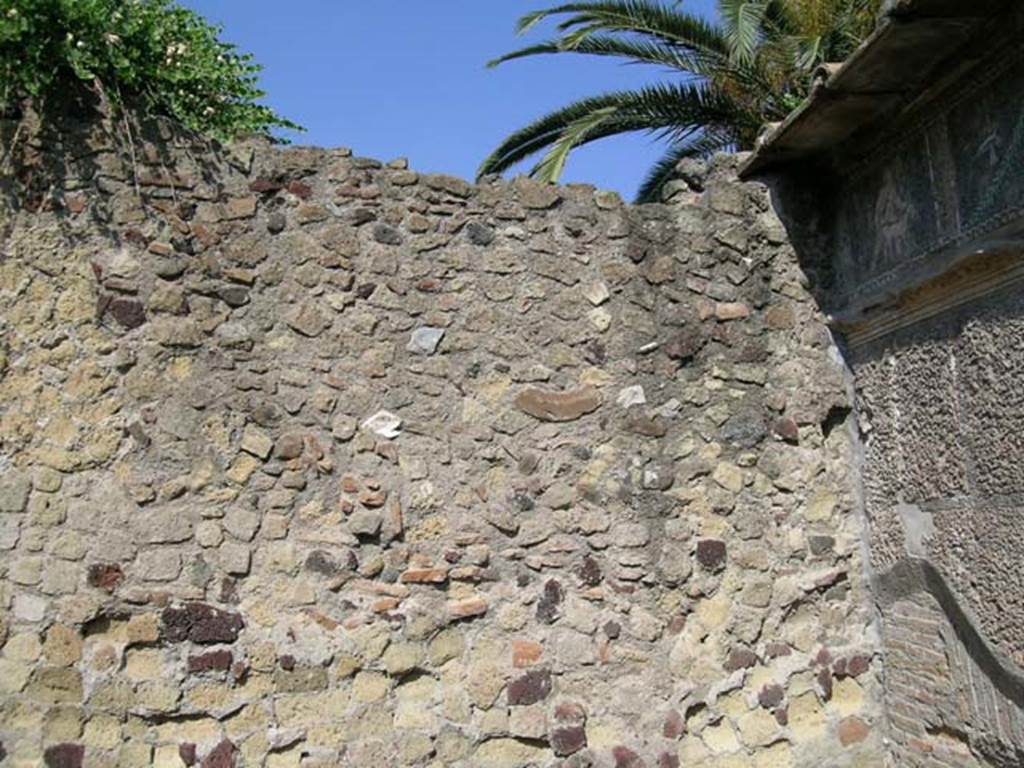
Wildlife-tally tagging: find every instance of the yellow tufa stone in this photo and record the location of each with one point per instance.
(63, 646)
(807, 720)
(509, 753)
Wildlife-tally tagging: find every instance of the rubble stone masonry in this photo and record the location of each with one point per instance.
(310, 460)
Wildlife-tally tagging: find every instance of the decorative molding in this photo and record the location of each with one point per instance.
(973, 278)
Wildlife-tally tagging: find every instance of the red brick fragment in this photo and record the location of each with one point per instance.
(526, 653)
(852, 730)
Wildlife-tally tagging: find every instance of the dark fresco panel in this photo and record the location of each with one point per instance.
(955, 177)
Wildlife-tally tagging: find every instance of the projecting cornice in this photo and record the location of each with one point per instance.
(918, 44)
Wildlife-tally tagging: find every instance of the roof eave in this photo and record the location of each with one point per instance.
(890, 69)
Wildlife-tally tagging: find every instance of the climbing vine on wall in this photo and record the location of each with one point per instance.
(150, 54)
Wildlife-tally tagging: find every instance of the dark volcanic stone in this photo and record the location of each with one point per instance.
(550, 602)
(532, 687)
(187, 753)
(234, 296)
(740, 658)
(569, 740)
(684, 345)
(321, 562)
(129, 313)
(636, 251)
(289, 446)
(825, 683)
(222, 756)
(858, 665)
(324, 563)
(752, 352)
(64, 756)
(627, 758)
(787, 430)
(105, 576)
(571, 713)
(523, 502)
(386, 234)
(820, 545)
(745, 429)
(362, 216)
(276, 223)
(711, 554)
(589, 571)
(775, 650)
(479, 234)
(263, 185)
(214, 661)
(675, 725)
(201, 624)
(771, 696)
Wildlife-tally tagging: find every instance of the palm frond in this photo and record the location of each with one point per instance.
(634, 51)
(553, 163)
(744, 24)
(636, 17)
(749, 68)
(670, 111)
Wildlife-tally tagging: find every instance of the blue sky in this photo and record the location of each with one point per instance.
(406, 78)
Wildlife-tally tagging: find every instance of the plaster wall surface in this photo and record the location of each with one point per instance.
(307, 459)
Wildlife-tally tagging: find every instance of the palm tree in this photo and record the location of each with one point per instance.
(751, 68)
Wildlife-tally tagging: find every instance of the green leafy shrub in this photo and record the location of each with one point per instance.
(152, 55)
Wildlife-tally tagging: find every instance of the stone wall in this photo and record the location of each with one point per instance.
(308, 460)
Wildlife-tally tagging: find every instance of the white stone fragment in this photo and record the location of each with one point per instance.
(633, 395)
(600, 318)
(670, 407)
(123, 265)
(29, 607)
(596, 293)
(384, 424)
(280, 738)
(424, 340)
